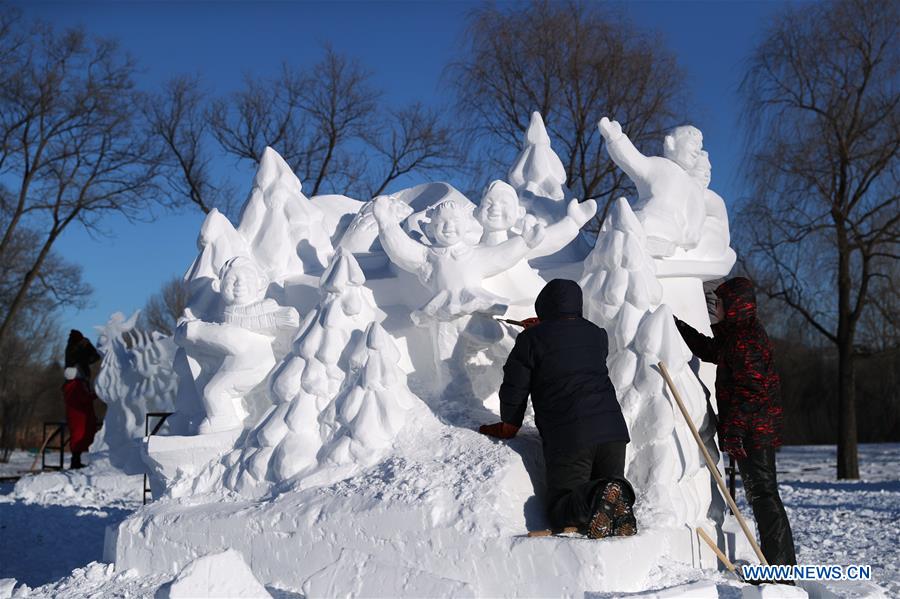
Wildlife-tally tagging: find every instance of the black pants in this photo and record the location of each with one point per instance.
(573, 478)
(761, 487)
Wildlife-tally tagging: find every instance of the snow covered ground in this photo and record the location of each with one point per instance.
(52, 540)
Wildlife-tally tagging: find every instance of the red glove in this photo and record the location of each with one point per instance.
(530, 322)
(501, 430)
(734, 446)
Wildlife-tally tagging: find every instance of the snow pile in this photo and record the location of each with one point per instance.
(839, 522)
(222, 574)
(136, 377)
(99, 484)
(623, 296)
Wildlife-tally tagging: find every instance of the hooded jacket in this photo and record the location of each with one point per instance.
(561, 363)
(748, 389)
(81, 353)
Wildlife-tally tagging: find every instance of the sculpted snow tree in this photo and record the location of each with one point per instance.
(288, 439)
(821, 233)
(623, 295)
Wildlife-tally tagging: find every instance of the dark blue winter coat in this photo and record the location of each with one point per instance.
(561, 362)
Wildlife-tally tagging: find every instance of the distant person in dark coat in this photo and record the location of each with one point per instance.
(81, 354)
(80, 416)
(748, 393)
(561, 363)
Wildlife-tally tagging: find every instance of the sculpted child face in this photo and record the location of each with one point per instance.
(242, 284)
(499, 208)
(702, 170)
(450, 223)
(447, 227)
(683, 146)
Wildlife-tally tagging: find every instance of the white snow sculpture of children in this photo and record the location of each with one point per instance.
(500, 211)
(715, 237)
(670, 204)
(288, 438)
(450, 268)
(243, 339)
(501, 214)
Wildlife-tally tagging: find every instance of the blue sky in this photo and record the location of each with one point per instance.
(405, 44)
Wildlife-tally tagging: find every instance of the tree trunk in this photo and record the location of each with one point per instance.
(30, 276)
(847, 459)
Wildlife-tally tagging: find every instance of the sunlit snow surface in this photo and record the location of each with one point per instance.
(51, 540)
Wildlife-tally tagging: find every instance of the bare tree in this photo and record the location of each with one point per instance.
(413, 139)
(178, 117)
(575, 63)
(823, 227)
(165, 307)
(75, 150)
(309, 117)
(328, 124)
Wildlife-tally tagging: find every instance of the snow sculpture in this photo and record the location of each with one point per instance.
(538, 175)
(623, 295)
(282, 232)
(670, 204)
(135, 377)
(362, 234)
(285, 231)
(501, 213)
(242, 341)
(371, 409)
(450, 268)
(715, 236)
(287, 441)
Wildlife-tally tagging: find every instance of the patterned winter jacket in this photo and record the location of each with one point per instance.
(748, 389)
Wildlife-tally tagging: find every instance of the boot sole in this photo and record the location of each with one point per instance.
(601, 525)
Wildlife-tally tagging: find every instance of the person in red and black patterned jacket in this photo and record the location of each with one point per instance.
(748, 392)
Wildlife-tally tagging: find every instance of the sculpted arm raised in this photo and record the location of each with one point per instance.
(560, 233)
(492, 260)
(622, 151)
(409, 255)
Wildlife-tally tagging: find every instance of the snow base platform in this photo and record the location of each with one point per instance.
(444, 518)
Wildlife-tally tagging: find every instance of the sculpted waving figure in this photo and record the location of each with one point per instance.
(450, 267)
(670, 205)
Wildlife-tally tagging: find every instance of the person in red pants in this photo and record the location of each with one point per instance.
(82, 421)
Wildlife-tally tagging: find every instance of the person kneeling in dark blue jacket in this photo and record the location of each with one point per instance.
(561, 363)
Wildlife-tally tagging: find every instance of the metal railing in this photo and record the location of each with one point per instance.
(56, 429)
(148, 432)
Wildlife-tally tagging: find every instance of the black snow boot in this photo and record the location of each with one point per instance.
(612, 510)
(76, 461)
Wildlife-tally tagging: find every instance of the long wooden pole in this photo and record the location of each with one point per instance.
(712, 465)
(722, 557)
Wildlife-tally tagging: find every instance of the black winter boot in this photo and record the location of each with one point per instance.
(613, 510)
